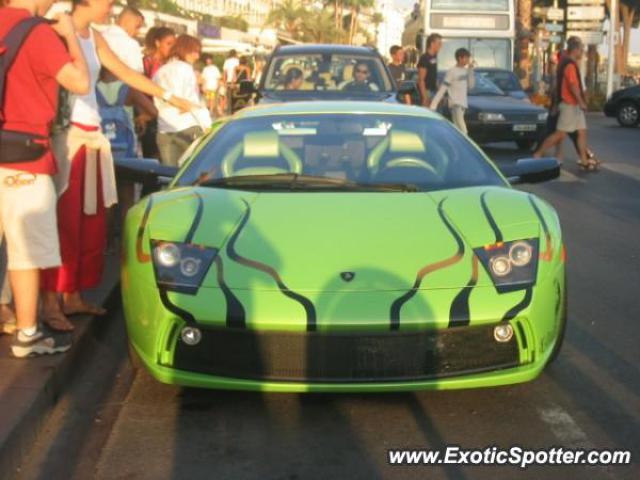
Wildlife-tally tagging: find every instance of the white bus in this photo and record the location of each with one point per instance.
(487, 28)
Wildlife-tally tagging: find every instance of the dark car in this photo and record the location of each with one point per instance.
(494, 116)
(326, 72)
(505, 80)
(624, 105)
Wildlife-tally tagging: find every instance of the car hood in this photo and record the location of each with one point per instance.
(343, 241)
(502, 104)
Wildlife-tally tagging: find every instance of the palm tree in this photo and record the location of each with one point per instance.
(320, 28)
(524, 24)
(287, 16)
(356, 6)
(377, 18)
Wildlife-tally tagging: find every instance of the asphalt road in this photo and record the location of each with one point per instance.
(114, 426)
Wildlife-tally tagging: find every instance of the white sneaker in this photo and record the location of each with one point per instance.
(43, 342)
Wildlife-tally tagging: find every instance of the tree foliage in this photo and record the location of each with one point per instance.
(338, 22)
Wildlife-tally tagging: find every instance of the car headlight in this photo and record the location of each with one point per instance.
(491, 117)
(181, 267)
(542, 117)
(511, 265)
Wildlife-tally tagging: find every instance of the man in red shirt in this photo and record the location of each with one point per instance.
(27, 194)
(571, 105)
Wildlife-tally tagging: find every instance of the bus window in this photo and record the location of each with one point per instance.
(491, 53)
(487, 52)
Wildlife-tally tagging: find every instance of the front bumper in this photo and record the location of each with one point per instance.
(418, 358)
(503, 132)
(494, 378)
(329, 357)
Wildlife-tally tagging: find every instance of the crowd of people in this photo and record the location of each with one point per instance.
(568, 100)
(84, 96)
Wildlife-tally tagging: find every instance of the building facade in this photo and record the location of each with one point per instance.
(389, 32)
(255, 12)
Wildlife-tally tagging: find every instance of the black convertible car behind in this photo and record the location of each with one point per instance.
(326, 72)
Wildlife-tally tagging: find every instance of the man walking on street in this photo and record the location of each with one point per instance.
(428, 70)
(457, 82)
(572, 105)
(229, 79)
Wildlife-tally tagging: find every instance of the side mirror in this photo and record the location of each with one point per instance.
(531, 170)
(247, 87)
(149, 172)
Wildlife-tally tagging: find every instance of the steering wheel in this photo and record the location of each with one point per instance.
(409, 162)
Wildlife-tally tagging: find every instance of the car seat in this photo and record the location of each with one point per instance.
(260, 153)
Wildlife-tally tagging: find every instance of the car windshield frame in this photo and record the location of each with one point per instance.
(319, 67)
(447, 147)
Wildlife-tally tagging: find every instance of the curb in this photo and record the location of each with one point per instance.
(25, 403)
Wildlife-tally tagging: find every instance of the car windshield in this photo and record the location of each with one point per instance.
(355, 152)
(505, 80)
(327, 72)
(484, 86)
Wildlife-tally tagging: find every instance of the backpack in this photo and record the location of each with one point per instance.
(116, 123)
(17, 146)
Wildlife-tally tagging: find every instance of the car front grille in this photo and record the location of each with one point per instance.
(346, 357)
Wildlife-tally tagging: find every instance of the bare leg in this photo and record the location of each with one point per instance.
(74, 304)
(26, 286)
(582, 146)
(556, 138)
(52, 313)
(559, 152)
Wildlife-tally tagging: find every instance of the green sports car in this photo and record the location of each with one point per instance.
(338, 246)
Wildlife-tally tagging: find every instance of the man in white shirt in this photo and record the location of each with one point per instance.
(229, 77)
(457, 82)
(121, 37)
(211, 77)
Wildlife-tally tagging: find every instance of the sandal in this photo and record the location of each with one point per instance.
(58, 322)
(7, 320)
(85, 309)
(589, 166)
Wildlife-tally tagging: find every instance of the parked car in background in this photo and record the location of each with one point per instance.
(505, 80)
(495, 116)
(326, 72)
(624, 105)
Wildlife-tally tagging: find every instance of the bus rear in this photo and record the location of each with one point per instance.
(485, 27)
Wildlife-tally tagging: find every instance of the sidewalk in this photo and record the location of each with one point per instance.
(29, 388)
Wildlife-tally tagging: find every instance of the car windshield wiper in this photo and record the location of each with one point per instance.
(294, 181)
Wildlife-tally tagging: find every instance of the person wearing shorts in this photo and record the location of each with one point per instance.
(571, 106)
(211, 83)
(27, 193)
